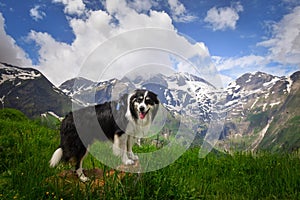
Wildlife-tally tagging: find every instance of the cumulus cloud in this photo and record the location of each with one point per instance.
(244, 62)
(72, 7)
(283, 55)
(10, 52)
(142, 6)
(284, 45)
(57, 60)
(61, 61)
(179, 13)
(36, 13)
(223, 18)
(233, 67)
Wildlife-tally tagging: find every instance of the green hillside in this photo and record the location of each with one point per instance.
(26, 147)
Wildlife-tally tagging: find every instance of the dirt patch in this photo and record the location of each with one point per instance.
(68, 179)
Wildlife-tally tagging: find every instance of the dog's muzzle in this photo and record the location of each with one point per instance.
(142, 113)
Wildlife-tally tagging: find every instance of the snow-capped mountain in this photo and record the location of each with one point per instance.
(30, 91)
(250, 104)
(179, 92)
(86, 92)
(253, 91)
(254, 103)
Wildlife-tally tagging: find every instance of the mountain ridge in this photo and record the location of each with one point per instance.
(28, 90)
(259, 109)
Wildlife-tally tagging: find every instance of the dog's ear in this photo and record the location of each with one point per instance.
(154, 97)
(132, 97)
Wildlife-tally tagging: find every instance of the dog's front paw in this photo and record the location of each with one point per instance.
(135, 157)
(83, 178)
(128, 162)
(132, 156)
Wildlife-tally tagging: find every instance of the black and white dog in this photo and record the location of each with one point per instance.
(123, 122)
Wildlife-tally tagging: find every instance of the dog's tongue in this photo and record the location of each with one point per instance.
(142, 115)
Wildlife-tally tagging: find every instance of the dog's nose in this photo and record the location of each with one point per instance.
(142, 109)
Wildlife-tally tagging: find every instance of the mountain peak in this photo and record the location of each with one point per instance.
(254, 78)
(13, 73)
(295, 76)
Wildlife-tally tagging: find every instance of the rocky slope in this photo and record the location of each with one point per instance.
(30, 91)
(258, 106)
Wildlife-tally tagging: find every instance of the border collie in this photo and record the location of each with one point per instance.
(122, 122)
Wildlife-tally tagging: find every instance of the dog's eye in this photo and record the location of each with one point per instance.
(140, 99)
(148, 101)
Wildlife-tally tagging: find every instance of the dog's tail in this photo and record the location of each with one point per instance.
(56, 157)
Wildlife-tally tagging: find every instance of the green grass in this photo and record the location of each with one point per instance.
(26, 148)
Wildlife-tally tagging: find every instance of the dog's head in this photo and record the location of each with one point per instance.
(143, 105)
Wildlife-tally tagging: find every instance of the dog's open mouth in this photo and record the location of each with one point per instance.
(143, 114)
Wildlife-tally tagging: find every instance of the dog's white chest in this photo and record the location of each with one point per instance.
(138, 130)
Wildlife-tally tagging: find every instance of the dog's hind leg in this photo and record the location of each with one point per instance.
(78, 167)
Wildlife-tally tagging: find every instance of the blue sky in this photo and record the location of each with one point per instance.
(240, 36)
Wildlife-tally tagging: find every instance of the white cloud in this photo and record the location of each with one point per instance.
(10, 52)
(284, 45)
(36, 13)
(57, 60)
(231, 68)
(72, 7)
(141, 6)
(283, 55)
(223, 18)
(179, 13)
(249, 61)
(60, 61)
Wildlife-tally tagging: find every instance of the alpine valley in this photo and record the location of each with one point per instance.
(259, 110)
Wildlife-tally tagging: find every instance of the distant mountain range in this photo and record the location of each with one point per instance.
(260, 111)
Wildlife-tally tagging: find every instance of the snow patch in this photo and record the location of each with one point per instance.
(12, 73)
(274, 104)
(256, 100)
(55, 115)
(289, 85)
(273, 81)
(264, 106)
(51, 113)
(261, 135)
(2, 100)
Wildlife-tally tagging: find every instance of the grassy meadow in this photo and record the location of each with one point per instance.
(26, 147)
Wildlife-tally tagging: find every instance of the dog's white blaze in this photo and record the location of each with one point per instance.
(143, 103)
(56, 157)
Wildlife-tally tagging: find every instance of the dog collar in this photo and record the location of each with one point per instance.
(118, 106)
